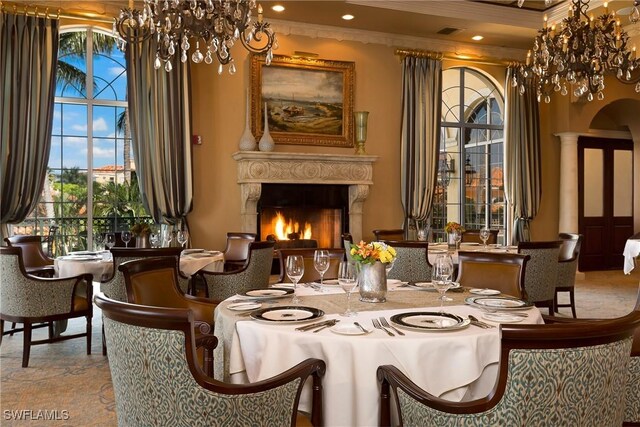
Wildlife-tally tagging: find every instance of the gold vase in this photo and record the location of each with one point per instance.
(360, 118)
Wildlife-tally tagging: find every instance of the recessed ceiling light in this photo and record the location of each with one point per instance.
(347, 17)
(477, 38)
(277, 8)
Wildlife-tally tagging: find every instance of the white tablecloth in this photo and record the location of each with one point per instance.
(436, 249)
(447, 364)
(102, 269)
(631, 252)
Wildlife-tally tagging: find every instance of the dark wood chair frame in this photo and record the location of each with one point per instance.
(28, 322)
(334, 254)
(389, 234)
(514, 337)
(550, 304)
(493, 257)
(204, 327)
(231, 263)
(182, 320)
(572, 258)
(44, 267)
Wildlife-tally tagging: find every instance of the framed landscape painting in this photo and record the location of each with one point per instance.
(309, 101)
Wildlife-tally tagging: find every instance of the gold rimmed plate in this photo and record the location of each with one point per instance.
(498, 303)
(268, 293)
(429, 321)
(287, 314)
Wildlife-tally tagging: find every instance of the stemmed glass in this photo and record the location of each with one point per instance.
(321, 263)
(484, 235)
(154, 239)
(168, 238)
(295, 271)
(109, 240)
(441, 277)
(183, 237)
(98, 239)
(347, 277)
(457, 237)
(126, 237)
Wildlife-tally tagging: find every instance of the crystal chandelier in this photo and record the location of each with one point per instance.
(213, 25)
(579, 51)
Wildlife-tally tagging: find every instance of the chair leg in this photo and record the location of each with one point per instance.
(104, 342)
(573, 303)
(13, 326)
(1, 330)
(89, 334)
(26, 346)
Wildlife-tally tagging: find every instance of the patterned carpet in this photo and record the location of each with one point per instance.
(64, 387)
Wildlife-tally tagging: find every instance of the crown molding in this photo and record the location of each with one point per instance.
(473, 51)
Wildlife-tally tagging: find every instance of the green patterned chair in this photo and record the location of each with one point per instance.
(254, 275)
(568, 265)
(157, 380)
(412, 261)
(36, 262)
(549, 375)
(29, 299)
(542, 271)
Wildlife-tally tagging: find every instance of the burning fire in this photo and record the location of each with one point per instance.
(283, 228)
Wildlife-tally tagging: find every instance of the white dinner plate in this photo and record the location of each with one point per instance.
(81, 258)
(438, 251)
(428, 286)
(430, 321)
(83, 253)
(469, 244)
(484, 291)
(348, 329)
(268, 293)
(498, 303)
(393, 282)
(244, 306)
(192, 251)
(287, 314)
(327, 282)
(502, 317)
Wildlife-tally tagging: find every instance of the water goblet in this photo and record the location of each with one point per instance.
(126, 237)
(484, 235)
(457, 237)
(183, 237)
(348, 280)
(321, 263)
(154, 239)
(295, 271)
(98, 240)
(441, 274)
(109, 240)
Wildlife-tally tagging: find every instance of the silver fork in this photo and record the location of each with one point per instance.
(386, 324)
(377, 325)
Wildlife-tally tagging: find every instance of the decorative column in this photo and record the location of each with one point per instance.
(249, 196)
(568, 203)
(357, 195)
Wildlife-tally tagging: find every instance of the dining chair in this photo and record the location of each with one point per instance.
(154, 282)
(253, 275)
(548, 375)
(567, 268)
(542, 271)
(237, 249)
(501, 271)
(412, 261)
(310, 272)
(473, 236)
(347, 241)
(390, 234)
(29, 299)
(36, 262)
(157, 380)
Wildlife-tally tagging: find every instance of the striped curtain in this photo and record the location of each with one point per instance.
(421, 108)
(523, 175)
(160, 118)
(28, 60)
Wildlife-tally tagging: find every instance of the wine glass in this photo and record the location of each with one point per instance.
(441, 275)
(183, 237)
(126, 237)
(154, 239)
(98, 240)
(295, 271)
(321, 263)
(109, 240)
(347, 278)
(484, 235)
(457, 237)
(168, 238)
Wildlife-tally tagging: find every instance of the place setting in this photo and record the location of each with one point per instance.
(500, 309)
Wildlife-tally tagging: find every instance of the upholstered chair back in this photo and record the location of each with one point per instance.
(237, 249)
(34, 259)
(253, 275)
(412, 262)
(157, 381)
(473, 236)
(501, 271)
(568, 259)
(558, 374)
(632, 394)
(542, 270)
(310, 272)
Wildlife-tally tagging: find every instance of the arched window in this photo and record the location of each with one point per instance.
(470, 186)
(90, 144)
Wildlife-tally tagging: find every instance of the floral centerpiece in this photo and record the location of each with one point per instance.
(453, 229)
(453, 226)
(372, 276)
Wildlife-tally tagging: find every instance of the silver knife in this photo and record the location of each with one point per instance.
(313, 325)
(328, 325)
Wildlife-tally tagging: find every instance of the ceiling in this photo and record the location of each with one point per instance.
(501, 23)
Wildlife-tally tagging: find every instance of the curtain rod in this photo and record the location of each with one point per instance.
(440, 55)
(54, 13)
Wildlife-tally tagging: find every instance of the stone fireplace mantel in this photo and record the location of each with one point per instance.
(256, 168)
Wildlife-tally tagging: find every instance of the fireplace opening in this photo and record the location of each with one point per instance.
(301, 215)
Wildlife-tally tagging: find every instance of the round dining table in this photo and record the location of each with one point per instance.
(436, 249)
(456, 365)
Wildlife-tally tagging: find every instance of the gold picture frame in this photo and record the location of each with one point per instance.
(309, 101)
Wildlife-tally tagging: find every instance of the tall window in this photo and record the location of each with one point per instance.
(91, 186)
(470, 186)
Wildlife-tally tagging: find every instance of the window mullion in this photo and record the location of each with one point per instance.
(89, 85)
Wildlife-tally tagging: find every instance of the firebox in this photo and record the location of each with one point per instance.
(304, 212)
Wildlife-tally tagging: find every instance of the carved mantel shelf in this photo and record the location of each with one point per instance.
(256, 168)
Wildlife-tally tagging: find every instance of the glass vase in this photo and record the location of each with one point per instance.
(372, 280)
(451, 241)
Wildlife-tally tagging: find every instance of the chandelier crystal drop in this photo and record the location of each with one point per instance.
(576, 54)
(210, 27)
